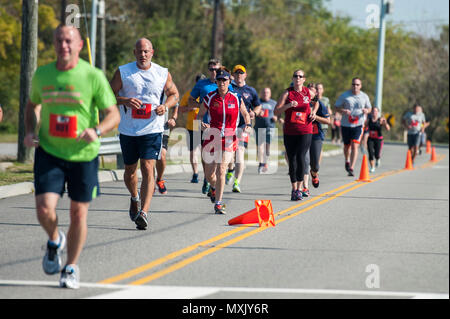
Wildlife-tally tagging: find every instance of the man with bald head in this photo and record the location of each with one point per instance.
(139, 87)
(65, 98)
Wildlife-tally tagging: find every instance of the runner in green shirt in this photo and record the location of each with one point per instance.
(64, 102)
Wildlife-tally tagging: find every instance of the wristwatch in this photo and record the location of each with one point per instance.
(249, 125)
(97, 131)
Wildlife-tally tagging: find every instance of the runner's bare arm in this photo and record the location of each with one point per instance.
(171, 91)
(109, 122)
(281, 106)
(32, 115)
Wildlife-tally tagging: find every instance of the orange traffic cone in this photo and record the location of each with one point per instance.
(408, 164)
(428, 151)
(364, 174)
(433, 155)
(261, 214)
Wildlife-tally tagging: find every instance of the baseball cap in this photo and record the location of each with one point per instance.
(239, 67)
(222, 74)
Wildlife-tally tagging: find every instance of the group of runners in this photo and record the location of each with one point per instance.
(62, 123)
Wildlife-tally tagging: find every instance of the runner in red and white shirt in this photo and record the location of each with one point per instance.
(220, 141)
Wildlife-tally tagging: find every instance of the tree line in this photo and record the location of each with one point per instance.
(272, 38)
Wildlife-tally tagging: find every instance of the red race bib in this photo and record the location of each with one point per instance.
(315, 128)
(63, 126)
(373, 134)
(266, 113)
(145, 112)
(353, 119)
(298, 117)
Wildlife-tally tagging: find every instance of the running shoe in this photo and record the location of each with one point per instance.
(134, 209)
(161, 187)
(347, 166)
(205, 187)
(350, 172)
(52, 258)
(212, 194)
(294, 196)
(315, 180)
(141, 221)
(265, 168)
(236, 187)
(372, 170)
(260, 167)
(70, 277)
(194, 179)
(228, 177)
(305, 192)
(299, 194)
(377, 163)
(219, 209)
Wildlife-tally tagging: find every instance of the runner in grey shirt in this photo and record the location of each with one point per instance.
(353, 104)
(415, 123)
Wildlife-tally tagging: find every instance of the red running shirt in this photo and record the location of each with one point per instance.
(297, 121)
(223, 113)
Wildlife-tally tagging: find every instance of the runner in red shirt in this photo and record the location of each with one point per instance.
(220, 141)
(297, 128)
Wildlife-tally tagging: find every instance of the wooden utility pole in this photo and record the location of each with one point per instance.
(28, 64)
(63, 11)
(217, 31)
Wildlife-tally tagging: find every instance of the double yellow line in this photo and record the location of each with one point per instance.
(316, 201)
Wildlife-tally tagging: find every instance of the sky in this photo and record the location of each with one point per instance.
(420, 16)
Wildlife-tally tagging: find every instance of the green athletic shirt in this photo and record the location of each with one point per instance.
(70, 102)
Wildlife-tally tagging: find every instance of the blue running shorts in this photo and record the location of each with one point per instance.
(51, 175)
(144, 146)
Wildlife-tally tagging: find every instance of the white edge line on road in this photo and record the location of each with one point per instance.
(184, 292)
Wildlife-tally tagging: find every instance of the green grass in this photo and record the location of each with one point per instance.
(17, 173)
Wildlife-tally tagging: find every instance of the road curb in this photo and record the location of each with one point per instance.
(117, 175)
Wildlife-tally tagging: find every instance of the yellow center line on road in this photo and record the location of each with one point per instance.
(209, 251)
(181, 264)
(173, 255)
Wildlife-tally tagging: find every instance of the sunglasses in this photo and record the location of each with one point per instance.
(299, 76)
(222, 80)
(213, 69)
(356, 84)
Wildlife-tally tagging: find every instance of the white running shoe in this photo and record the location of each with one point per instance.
(70, 277)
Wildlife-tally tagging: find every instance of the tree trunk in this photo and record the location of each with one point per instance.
(27, 67)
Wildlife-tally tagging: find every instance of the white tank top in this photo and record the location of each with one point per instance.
(147, 86)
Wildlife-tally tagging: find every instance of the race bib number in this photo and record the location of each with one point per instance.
(415, 123)
(266, 113)
(298, 117)
(145, 112)
(353, 119)
(63, 126)
(373, 134)
(315, 128)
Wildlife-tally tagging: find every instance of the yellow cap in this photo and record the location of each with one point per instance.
(239, 67)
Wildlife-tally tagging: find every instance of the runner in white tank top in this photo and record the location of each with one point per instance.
(138, 87)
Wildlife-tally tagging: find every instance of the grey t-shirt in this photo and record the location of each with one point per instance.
(415, 120)
(356, 104)
(265, 120)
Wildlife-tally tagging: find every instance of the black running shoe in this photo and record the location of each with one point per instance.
(134, 209)
(347, 166)
(350, 172)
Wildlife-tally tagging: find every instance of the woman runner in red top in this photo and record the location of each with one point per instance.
(297, 129)
(219, 135)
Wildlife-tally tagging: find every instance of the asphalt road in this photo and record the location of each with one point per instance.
(382, 239)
